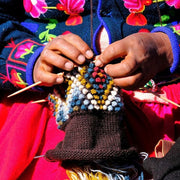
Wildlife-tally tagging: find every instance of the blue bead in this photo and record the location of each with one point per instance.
(90, 70)
(78, 102)
(95, 86)
(114, 103)
(86, 102)
(110, 108)
(90, 107)
(117, 108)
(86, 76)
(91, 80)
(81, 96)
(83, 107)
(91, 65)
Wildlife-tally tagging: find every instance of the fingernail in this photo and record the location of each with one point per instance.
(81, 58)
(59, 80)
(98, 63)
(89, 54)
(69, 65)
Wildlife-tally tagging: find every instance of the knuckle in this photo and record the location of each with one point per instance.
(44, 54)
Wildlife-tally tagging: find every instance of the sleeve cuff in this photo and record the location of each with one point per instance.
(174, 45)
(30, 67)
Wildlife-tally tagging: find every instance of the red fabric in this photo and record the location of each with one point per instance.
(148, 122)
(27, 130)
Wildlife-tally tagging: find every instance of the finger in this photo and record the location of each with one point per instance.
(126, 67)
(54, 59)
(116, 50)
(77, 42)
(65, 48)
(130, 82)
(50, 79)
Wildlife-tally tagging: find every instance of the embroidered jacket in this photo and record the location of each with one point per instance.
(27, 25)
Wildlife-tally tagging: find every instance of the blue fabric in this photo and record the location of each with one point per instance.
(174, 45)
(30, 65)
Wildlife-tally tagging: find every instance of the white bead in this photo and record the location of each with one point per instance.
(96, 107)
(93, 102)
(89, 96)
(84, 91)
(107, 102)
(81, 87)
(104, 107)
(110, 97)
(114, 93)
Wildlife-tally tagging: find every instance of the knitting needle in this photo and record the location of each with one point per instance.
(164, 98)
(29, 87)
(40, 156)
(39, 101)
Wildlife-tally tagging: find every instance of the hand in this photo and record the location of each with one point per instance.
(143, 56)
(62, 52)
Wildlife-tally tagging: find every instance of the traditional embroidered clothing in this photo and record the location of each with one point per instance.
(26, 26)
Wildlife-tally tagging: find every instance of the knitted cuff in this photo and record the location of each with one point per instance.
(30, 66)
(174, 45)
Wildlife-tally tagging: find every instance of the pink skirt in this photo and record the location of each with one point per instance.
(28, 130)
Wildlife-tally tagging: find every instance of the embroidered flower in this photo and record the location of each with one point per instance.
(23, 50)
(73, 8)
(35, 7)
(176, 28)
(16, 79)
(175, 3)
(136, 7)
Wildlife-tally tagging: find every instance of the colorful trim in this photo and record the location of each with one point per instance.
(30, 65)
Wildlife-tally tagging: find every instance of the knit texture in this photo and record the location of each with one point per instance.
(92, 117)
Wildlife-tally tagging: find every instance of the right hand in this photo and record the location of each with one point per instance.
(62, 52)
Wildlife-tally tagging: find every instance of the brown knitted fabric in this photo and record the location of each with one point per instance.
(92, 136)
(92, 117)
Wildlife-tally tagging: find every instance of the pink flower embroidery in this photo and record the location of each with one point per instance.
(35, 7)
(72, 8)
(175, 3)
(135, 5)
(176, 28)
(23, 50)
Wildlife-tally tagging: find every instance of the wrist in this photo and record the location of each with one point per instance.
(175, 50)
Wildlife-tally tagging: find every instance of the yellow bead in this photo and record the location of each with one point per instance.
(102, 102)
(80, 78)
(76, 108)
(88, 85)
(93, 91)
(83, 81)
(96, 97)
(104, 97)
(106, 92)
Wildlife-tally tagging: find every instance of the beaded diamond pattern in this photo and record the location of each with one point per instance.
(88, 88)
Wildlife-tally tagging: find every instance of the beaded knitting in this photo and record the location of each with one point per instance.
(88, 88)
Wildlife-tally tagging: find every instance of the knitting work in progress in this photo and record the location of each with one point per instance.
(90, 111)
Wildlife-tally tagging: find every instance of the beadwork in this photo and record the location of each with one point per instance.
(88, 88)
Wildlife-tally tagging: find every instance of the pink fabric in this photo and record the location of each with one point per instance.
(148, 122)
(27, 130)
